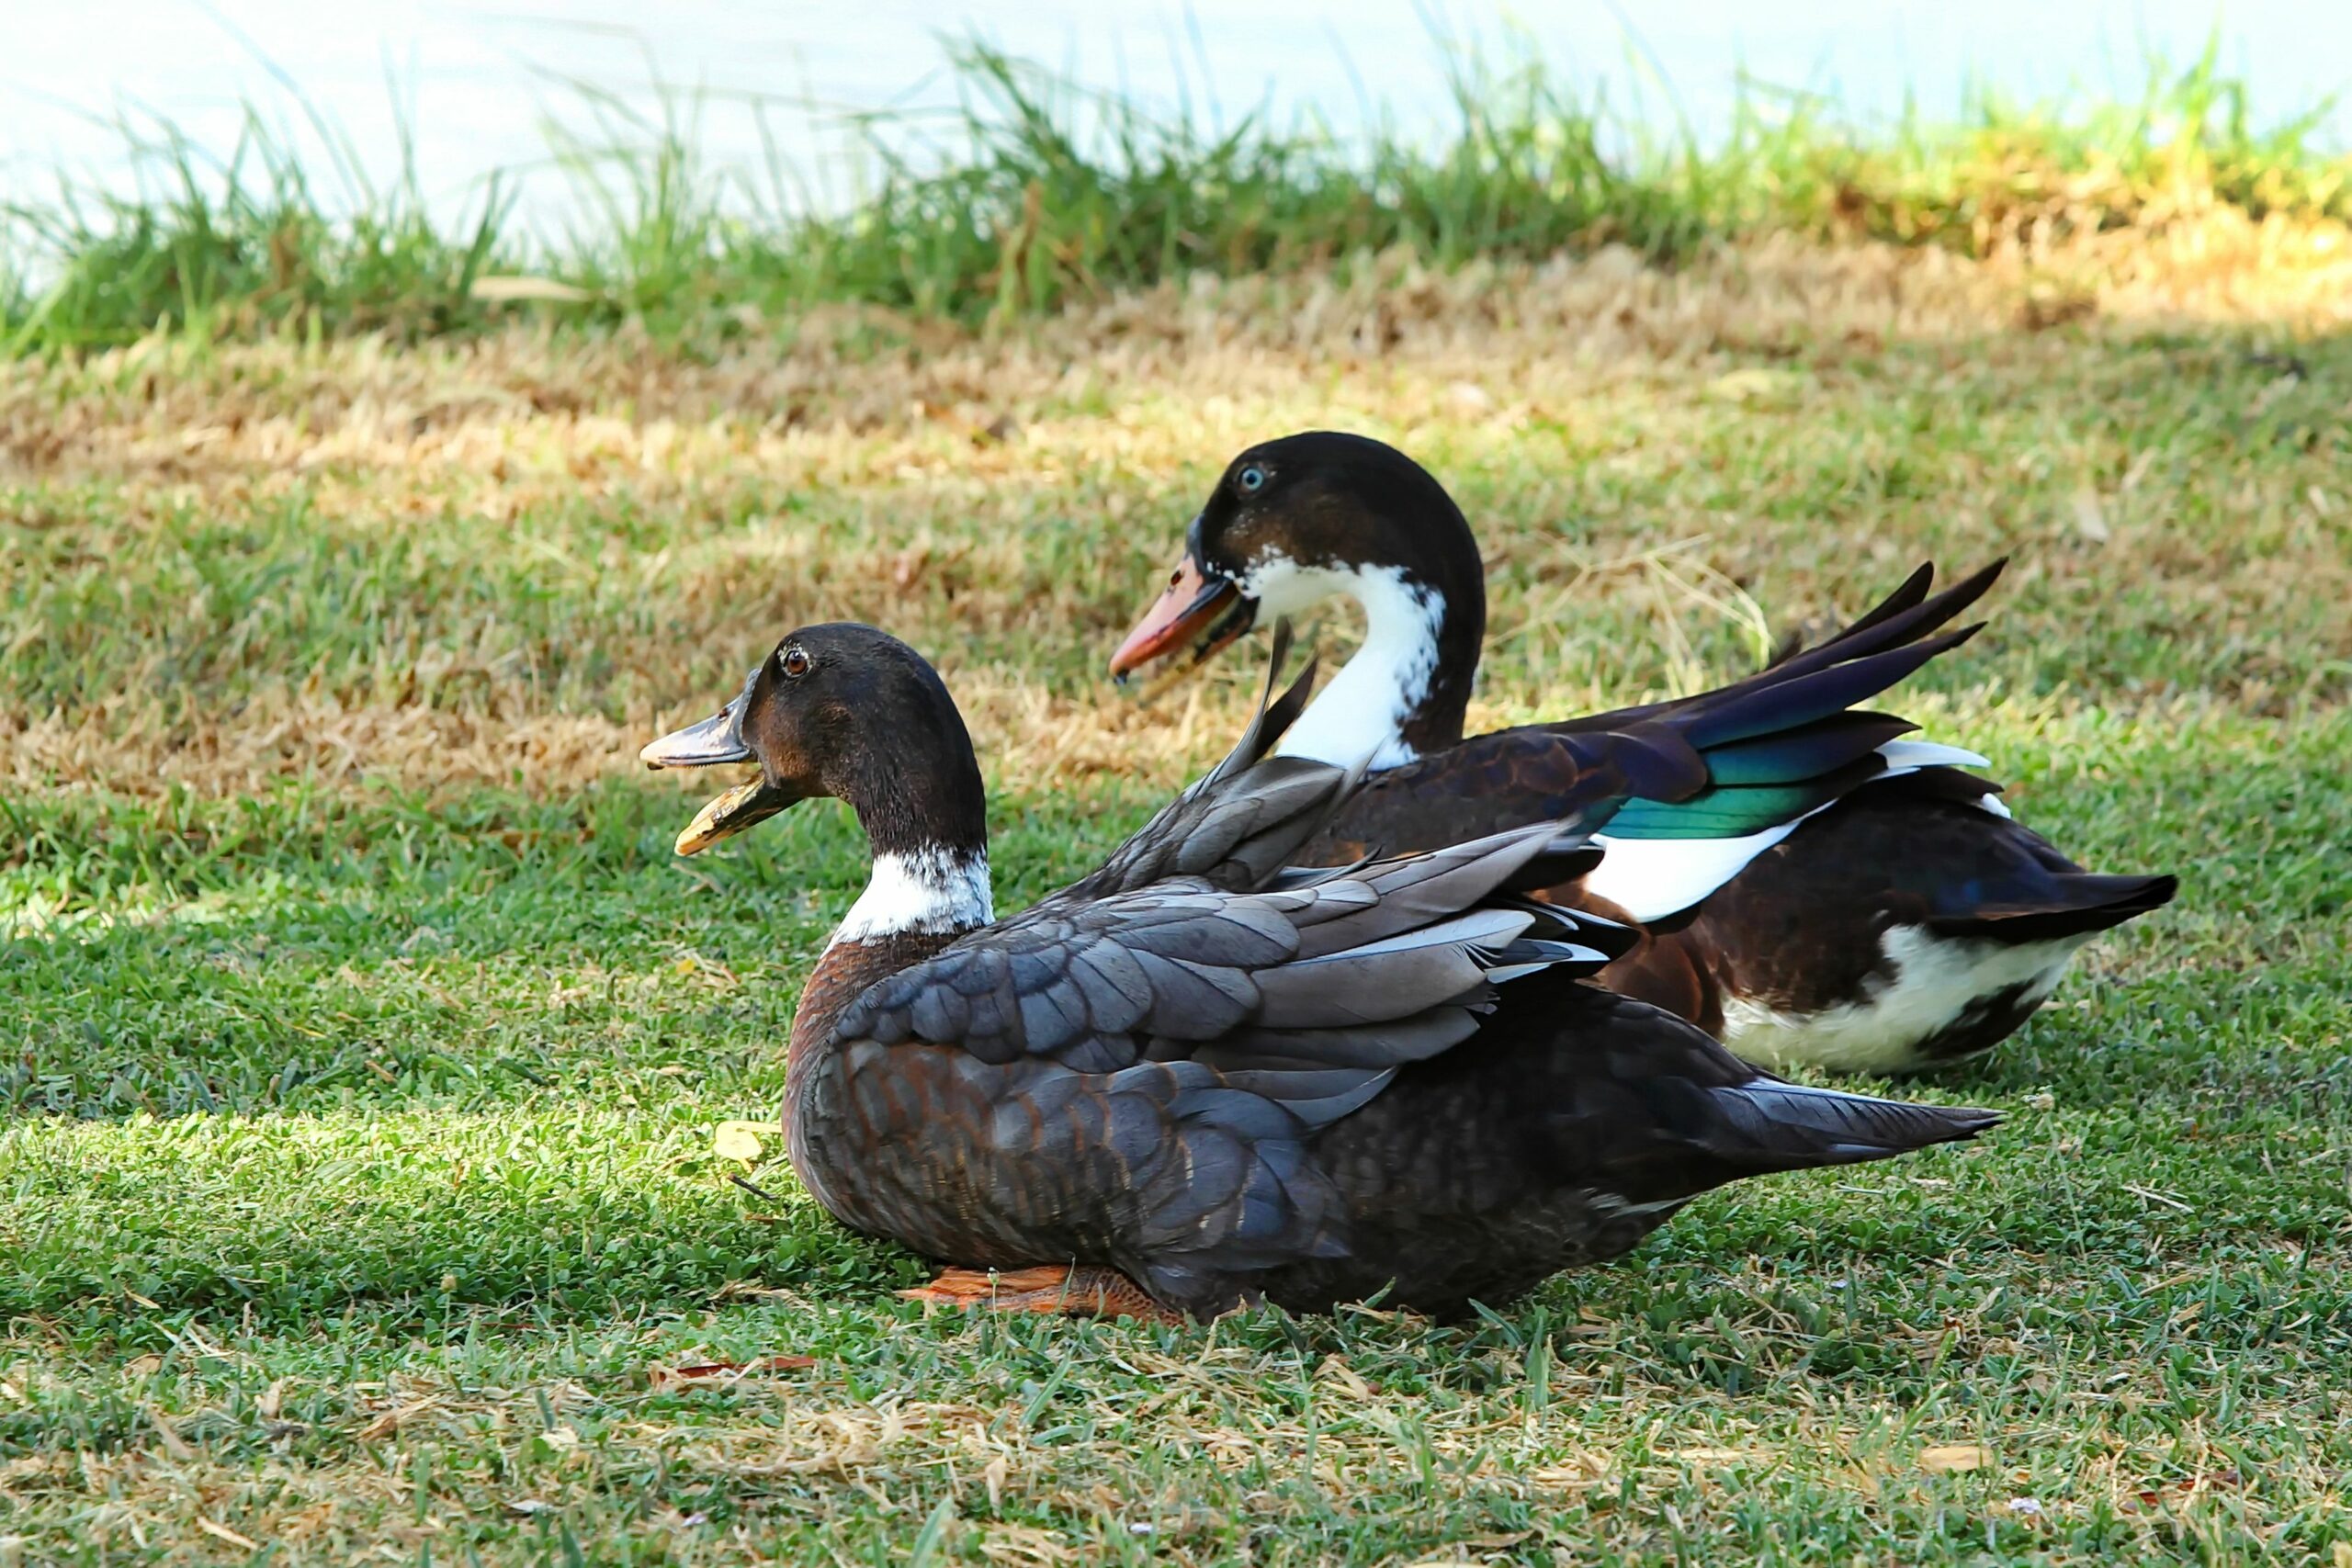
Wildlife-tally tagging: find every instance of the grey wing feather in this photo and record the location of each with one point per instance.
(1241, 822)
(1158, 1044)
(1366, 969)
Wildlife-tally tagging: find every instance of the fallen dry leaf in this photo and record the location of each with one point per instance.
(706, 1371)
(1346, 1376)
(390, 1421)
(145, 1366)
(1948, 1457)
(173, 1443)
(738, 1140)
(2090, 517)
(222, 1533)
(1583, 1470)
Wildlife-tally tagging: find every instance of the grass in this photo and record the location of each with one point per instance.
(358, 1198)
(1037, 196)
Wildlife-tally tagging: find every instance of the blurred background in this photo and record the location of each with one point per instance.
(473, 89)
(239, 167)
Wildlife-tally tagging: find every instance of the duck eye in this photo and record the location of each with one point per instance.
(1251, 480)
(794, 662)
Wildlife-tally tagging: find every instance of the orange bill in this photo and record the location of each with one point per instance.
(1195, 610)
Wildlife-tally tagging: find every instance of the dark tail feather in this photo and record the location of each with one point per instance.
(1786, 1126)
(1914, 590)
(2082, 903)
(1275, 714)
(1799, 691)
(1904, 615)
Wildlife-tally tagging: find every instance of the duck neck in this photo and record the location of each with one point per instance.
(924, 812)
(1406, 691)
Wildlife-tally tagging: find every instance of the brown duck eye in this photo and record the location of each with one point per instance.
(794, 662)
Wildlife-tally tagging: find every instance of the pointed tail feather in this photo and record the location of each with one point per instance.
(1239, 823)
(1274, 716)
(1776, 1125)
(1779, 747)
(2084, 903)
(1782, 699)
(1904, 615)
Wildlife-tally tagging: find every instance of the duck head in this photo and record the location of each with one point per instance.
(1327, 514)
(849, 712)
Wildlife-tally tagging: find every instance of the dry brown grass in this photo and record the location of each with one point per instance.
(897, 473)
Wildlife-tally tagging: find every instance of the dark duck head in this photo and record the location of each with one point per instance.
(1303, 519)
(848, 712)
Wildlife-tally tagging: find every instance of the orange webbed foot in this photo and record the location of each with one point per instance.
(1083, 1291)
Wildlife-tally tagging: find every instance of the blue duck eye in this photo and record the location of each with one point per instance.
(1251, 480)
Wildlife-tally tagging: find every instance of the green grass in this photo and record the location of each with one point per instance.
(376, 1117)
(1042, 196)
(386, 1114)
(365, 1042)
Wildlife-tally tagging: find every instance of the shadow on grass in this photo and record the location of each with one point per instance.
(287, 1217)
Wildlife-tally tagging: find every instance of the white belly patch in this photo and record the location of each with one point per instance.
(1928, 984)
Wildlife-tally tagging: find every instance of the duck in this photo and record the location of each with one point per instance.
(1200, 1078)
(1903, 926)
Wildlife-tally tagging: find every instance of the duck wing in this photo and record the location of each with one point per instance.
(1355, 968)
(1135, 1077)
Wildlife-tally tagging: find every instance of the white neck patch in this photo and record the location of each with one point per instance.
(1362, 713)
(930, 891)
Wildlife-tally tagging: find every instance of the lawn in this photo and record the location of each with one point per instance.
(366, 1043)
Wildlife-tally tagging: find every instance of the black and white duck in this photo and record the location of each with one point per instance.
(1903, 926)
(1197, 1079)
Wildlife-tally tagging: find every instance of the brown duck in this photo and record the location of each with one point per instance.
(1197, 1079)
(1906, 925)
